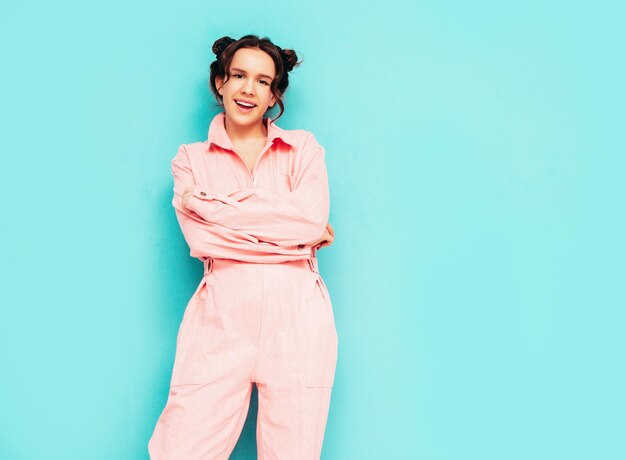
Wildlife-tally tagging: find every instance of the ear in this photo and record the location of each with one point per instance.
(272, 101)
(219, 81)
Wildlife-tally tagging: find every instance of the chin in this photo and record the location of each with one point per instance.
(244, 118)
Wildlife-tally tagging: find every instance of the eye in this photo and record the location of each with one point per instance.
(237, 75)
(265, 83)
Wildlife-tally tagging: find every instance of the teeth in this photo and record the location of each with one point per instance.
(245, 104)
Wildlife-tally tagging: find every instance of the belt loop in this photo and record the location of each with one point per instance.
(208, 265)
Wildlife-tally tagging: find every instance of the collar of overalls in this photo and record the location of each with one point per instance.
(218, 135)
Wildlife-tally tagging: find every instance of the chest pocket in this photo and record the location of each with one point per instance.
(291, 175)
(288, 178)
(291, 181)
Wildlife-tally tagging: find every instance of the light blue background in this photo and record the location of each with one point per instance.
(476, 160)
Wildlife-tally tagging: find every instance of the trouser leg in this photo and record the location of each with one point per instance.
(296, 363)
(211, 380)
(200, 422)
(291, 422)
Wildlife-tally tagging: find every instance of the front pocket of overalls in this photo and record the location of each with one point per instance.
(321, 339)
(183, 372)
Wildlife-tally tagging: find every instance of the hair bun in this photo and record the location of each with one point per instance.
(290, 59)
(220, 45)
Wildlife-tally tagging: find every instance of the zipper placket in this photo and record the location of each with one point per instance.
(258, 160)
(252, 174)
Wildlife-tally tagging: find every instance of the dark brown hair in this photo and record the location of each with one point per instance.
(284, 62)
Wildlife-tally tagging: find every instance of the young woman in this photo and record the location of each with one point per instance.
(253, 203)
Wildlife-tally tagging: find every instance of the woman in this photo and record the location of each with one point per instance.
(252, 202)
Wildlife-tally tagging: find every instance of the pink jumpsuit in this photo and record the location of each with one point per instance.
(262, 313)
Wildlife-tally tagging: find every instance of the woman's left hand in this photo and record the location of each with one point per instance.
(326, 239)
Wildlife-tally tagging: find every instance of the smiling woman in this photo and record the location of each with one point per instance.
(248, 85)
(255, 61)
(253, 204)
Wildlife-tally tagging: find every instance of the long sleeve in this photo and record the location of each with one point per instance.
(295, 218)
(207, 239)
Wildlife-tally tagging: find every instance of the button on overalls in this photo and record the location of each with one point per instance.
(261, 313)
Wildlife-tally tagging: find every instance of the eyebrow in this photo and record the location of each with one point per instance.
(260, 75)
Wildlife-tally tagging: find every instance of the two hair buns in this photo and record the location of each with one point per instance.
(289, 57)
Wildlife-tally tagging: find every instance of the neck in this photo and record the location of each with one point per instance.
(245, 133)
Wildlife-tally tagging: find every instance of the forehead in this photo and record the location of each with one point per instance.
(253, 61)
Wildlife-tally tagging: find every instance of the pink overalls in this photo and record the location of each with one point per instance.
(262, 312)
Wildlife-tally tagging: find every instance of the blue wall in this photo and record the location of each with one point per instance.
(476, 168)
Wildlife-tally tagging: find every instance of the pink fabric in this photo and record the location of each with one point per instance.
(262, 313)
(268, 216)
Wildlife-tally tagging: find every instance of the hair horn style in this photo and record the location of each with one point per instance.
(220, 45)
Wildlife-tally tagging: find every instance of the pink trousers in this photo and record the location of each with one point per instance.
(269, 324)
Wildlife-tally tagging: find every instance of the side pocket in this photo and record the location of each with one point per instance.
(321, 286)
(322, 360)
(322, 342)
(187, 332)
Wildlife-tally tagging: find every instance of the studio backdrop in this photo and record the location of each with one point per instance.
(475, 154)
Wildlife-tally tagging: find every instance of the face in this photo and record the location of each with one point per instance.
(251, 74)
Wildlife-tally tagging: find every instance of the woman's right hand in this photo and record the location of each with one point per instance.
(326, 239)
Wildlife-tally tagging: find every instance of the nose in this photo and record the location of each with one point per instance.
(248, 87)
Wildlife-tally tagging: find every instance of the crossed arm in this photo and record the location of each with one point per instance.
(325, 240)
(255, 224)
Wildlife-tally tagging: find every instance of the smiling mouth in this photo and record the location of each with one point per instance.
(245, 105)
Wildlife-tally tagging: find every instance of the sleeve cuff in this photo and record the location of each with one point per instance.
(212, 207)
(201, 193)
